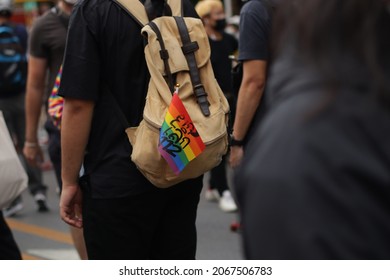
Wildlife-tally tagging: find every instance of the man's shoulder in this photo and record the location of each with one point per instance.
(257, 7)
(45, 20)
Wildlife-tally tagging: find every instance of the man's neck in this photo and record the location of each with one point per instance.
(65, 7)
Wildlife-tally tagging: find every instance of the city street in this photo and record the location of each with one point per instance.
(45, 236)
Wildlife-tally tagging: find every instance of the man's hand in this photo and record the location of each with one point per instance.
(33, 155)
(71, 205)
(236, 155)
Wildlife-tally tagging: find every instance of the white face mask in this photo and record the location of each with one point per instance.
(71, 2)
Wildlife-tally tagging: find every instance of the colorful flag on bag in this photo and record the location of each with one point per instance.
(179, 140)
(56, 102)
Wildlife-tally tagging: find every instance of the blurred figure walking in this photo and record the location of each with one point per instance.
(13, 71)
(46, 52)
(315, 182)
(222, 46)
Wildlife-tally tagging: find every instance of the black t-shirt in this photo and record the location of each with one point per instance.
(48, 39)
(105, 46)
(220, 51)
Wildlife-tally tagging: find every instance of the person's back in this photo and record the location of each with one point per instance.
(111, 54)
(315, 184)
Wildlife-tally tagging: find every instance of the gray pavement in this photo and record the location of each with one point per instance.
(45, 236)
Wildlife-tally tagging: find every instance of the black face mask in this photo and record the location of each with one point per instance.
(220, 24)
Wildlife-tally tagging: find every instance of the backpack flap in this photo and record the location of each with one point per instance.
(159, 93)
(172, 41)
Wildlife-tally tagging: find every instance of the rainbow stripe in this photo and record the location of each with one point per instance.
(179, 140)
(56, 102)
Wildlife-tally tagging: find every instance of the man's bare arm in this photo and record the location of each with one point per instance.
(35, 89)
(75, 127)
(249, 96)
(251, 91)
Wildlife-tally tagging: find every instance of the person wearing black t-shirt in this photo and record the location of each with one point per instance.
(123, 215)
(222, 46)
(255, 28)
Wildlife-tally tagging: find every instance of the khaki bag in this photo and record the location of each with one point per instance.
(199, 92)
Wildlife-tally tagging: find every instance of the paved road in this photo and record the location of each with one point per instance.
(45, 236)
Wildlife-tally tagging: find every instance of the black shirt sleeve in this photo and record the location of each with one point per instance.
(255, 25)
(81, 67)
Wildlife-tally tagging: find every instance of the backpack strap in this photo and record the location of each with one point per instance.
(189, 49)
(176, 7)
(139, 12)
(135, 9)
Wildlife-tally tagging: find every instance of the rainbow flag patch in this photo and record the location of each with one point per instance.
(179, 140)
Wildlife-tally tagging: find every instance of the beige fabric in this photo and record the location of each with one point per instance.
(136, 8)
(13, 177)
(212, 129)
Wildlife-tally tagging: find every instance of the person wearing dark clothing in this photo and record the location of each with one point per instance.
(46, 52)
(255, 29)
(8, 248)
(123, 215)
(222, 46)
(12, 104)
(315, 181)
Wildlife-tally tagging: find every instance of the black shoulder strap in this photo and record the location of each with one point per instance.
(189, 49)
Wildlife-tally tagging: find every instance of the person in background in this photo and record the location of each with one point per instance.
(12, 103)
(222, 46)
(254, 54)
(46, 51)
(315, 181)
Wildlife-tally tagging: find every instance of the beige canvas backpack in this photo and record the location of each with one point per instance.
(199, 92)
